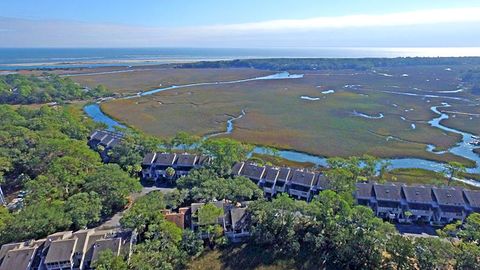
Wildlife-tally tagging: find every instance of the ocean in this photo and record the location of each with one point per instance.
(26, 58)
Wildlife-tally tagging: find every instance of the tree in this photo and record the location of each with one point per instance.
(454, 169)
(225, 153)
(207, 220)
(208, 214)
(191, 243)
(84, 209)
(401, 252)
(467, 256)
(471, 229)
(170, 172)
(113, 185)
(144, 212)
(433, 253)
(109, 261)
(185, 141)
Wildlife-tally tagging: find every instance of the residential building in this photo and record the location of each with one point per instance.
(451, 204)
(270, 179)
(420, 203)
(473, 200)
(389, 200)
(103, 141)
(154, 165)
(64, 250)
(301, 184)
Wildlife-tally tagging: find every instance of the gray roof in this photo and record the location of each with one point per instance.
(363, 190)
(113, 244)
(284, 174)
(252, 171)
(186, 160)
(449, 196)
(149, 158)
(473, 198)
(165, 159)
(418, 194)
(61, 250)
(388, 192)
(321, 181)
(7, 247)
(237, 168)
(239, 217)
(203, 160)
(82, 237)
(304, 178)
(271, 174)
(18, 258)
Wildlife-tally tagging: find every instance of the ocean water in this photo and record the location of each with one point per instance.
(14, 58)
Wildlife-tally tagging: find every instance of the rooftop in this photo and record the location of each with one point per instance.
(388, 192)
(187, 160)
(449, 196)
(418, 194)
(165, 159)
(18, 258)
(271, 174)
(473, 198)
(61, 250)
(304, 178)
(364, 190)
(252, 171)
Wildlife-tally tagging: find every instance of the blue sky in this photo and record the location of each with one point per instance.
(245, 23)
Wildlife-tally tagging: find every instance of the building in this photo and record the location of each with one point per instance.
(65, 250)
(103, 140)
(451, 205)
(419, 203)
(155, 165)
(234, 219)
(424, 204)
(299, 183)
(388, 200)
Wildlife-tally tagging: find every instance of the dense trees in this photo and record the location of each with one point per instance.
(21, 89)
(331, 63)
(44, 153)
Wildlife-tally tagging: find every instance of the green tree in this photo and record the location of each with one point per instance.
(84, 209)
(109, 261)
(185, 141)
(471, 229)
(225, 153)
(454, 169)
(433, 253)
(208, 214)
(401, 252)
(467, 256)
(191, 243)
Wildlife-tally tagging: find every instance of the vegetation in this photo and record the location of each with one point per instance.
(22, 89)
(43, 153)
(331, 63)
(276, 116)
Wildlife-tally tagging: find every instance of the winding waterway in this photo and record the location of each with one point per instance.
(463, 148)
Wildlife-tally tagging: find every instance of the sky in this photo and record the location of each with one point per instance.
(240, 23)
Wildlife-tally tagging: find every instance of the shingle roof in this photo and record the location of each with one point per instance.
(149, 158)
(321, 181)
(303, 178)
(418, 194)
(363, 190)
(7, 247)
(61, 250)
(284, 174)
(113, 244)
(165, 159)
(203, 160)
(449, 196)
(18, 258)
(239, 217)
(186, 160)
(271, 174)
(473, 198)
(252, 171)
(387, 192)
(237, 168)
(82, 237)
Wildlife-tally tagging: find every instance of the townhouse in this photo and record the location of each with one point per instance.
(103, 141)
(155, 165)
(299, 183)
(425, 204)
(65, 250)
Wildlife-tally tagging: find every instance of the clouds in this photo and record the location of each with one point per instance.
(439, 28)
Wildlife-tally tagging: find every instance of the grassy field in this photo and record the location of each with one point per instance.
(277, 116)
(281, 162)
(151, 78)
(420, 176)
(239, 257)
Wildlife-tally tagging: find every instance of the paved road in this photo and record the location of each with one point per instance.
(114, 221)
